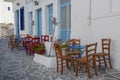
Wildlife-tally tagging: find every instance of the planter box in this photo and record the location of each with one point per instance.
(46, 61)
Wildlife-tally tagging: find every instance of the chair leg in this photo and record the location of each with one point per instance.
(67, 63)
(76, 68)
(88, 71)
(73, 65)
(99, 62)
(110, 62)
(61, 67)
(57, 66)
(94, 64)
(104, 60)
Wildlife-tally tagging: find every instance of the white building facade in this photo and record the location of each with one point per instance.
(89, 20)
(6, 12)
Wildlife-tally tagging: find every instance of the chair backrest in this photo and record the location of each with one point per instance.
(12, 38)
(35, 40)
(44, 38)
(23, 35)
(106, 45)
(73, 42)
(28, 38)
(58, 50)
(91, 50)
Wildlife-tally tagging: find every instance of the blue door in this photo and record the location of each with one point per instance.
(65, 19)
(17, 22)
(50, 16)
(39, 22)
(22, 18)
(30, 23)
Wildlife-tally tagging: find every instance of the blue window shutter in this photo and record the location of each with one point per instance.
(39, 22)
(8, 8)
(50, 16)
(65, 20)
(17, 22)
(22, 18)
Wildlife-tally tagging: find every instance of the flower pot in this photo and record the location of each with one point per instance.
(41, 52)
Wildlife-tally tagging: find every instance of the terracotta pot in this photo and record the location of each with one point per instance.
(41, 52)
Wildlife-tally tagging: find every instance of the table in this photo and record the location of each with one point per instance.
(80, 47)
(20, 42)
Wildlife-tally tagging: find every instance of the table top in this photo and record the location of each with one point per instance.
(77, 47)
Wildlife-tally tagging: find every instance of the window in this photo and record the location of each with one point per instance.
(65, 19)
(49, 18)
(8, 8)
(22, 18)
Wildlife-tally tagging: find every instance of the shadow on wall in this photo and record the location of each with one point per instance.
(6, 30)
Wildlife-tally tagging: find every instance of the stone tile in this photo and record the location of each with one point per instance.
(17, 65)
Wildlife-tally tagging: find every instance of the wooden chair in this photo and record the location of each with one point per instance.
(88, 61)
(105, 54)
(45, 38)
(23, 35)
(62, 59)
(12, 42)
(35, 40)
(27, 41)
(74, 42)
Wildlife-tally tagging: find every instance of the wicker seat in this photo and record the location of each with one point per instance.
(62, 59)
(88, 61)
(104, 56)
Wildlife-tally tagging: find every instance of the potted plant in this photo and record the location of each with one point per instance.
(39, 48)
(65, 47)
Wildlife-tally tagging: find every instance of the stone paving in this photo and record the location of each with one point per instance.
(16, 65)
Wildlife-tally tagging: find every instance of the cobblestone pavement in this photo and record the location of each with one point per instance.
(16, 65)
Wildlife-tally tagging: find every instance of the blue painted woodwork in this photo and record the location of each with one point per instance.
(17, 22)
(50, 17)
(65, 19)
(30, 23)
(39, 22)
(22, 18)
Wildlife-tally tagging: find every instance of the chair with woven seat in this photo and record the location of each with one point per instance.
(35, 40)
(88, 61)
(44, 38)
(62, 59)
(74, 42)
(27, 42)
(104, 56)
(12, 42)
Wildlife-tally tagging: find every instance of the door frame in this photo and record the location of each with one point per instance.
(39, 22)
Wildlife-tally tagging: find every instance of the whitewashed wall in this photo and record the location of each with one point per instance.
(5, 15)
(105, 22)
(30, 7)
(79, 20)
(107, 25)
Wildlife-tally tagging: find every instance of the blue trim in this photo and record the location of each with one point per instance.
(8, 8)
(22, 18)
(50, 16)
(66, 31)
(17, 22)
(39, 22)
(30, 23)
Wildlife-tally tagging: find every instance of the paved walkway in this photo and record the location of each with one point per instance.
(16, 65)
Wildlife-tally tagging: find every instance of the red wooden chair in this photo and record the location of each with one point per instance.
(35, 40)
(26, 43)
(45, 38)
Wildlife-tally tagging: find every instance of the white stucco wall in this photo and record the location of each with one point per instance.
(107, 24)
(80, 27)
(30, 7)
(5, 15)
(104, 23)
